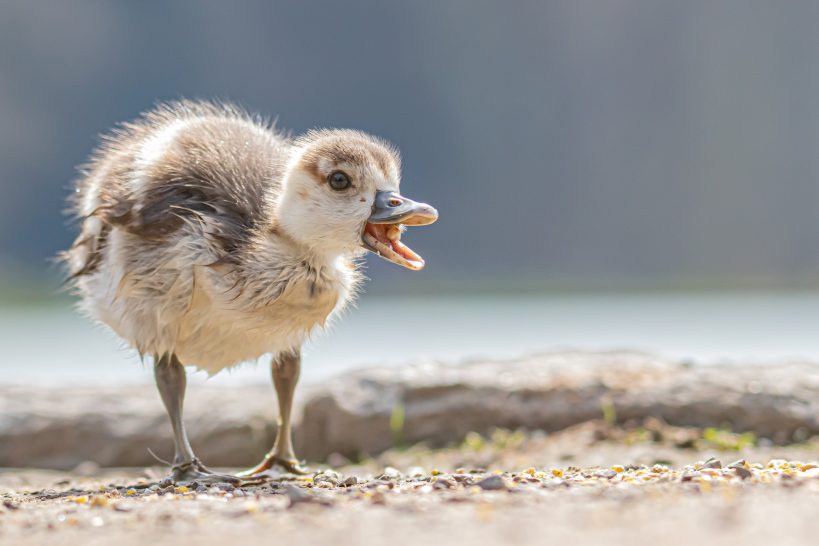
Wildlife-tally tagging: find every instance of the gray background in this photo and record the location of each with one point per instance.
(584, 144)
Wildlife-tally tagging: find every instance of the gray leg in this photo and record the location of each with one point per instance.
(285, 370)
(171, 381)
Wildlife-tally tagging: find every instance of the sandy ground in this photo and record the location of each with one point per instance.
(591, 484)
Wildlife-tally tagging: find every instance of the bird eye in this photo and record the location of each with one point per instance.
(339, 180)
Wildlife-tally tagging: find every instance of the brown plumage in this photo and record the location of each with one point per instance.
(210, 239)
(221, 168)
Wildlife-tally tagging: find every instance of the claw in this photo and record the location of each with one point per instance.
(294, 466)
(195, 471)
(291, 465)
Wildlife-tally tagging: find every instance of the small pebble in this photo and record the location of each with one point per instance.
(742, 472)
(297, 495)
(328, 477)
(390, 473)
(607, 473)
(492, 483)
(99, 501)
(713, 462)
(443, 483)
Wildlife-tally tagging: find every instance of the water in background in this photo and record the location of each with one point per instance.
(53, 345)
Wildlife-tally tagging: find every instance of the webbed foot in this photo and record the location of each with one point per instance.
(195, 471)
(289, 464)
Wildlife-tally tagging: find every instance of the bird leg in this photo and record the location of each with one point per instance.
(285, 369)
(171, 382)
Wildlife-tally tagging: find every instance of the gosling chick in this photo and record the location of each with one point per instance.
(210, 239)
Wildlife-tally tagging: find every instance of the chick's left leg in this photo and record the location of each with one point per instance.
(285, 370)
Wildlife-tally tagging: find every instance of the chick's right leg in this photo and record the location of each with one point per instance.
(171, 381)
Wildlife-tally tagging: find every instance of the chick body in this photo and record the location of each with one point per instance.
(180, 249)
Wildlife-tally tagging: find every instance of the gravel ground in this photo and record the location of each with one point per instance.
(589, 484)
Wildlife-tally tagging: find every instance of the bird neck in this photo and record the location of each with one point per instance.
(276, 264)
(276, 250)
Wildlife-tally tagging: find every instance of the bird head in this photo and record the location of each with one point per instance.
(340, 194)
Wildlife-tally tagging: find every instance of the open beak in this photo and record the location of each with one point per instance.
(382, 232)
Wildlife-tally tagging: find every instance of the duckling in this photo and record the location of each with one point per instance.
(208, 238)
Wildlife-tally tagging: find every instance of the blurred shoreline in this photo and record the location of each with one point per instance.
(21, 287)
(52, 344)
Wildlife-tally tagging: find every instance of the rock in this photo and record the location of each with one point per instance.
(713, 462)
(350, 481)
(492, 483)
(63, 427)
(443, 483)
(606, 473)
(441, 403)
(378, 498)
(327, 476)
(297, 495)
(390, 473)
(464, 479)
(738, 463)
(811, 473)
(742, 472)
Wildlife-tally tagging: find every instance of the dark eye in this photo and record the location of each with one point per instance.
(339, 180)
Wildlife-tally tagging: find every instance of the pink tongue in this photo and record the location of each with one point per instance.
(405, 251)
(379, 231)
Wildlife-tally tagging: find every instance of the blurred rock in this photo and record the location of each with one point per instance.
(355, 415)
(62, 428)
(441, 403)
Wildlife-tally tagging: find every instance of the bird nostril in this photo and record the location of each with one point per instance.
(394, 202)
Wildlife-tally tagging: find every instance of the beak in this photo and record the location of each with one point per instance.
(392, 208)
(382, 232)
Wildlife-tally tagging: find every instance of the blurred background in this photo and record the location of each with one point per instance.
(609, 174)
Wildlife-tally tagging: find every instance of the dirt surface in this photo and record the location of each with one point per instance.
(591, 484)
